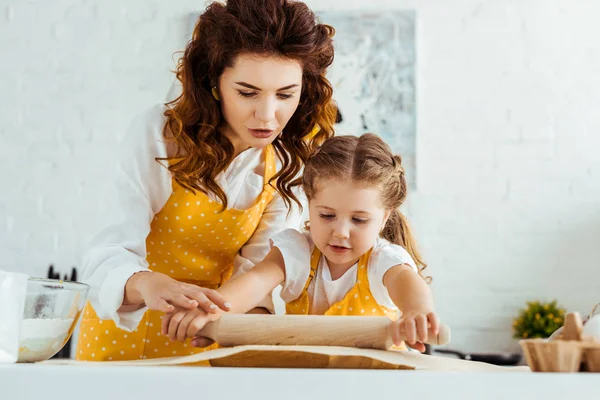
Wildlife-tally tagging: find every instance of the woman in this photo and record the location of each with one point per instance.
(206, 179)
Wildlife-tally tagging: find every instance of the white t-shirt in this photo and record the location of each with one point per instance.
(144, 186)
(297, 247)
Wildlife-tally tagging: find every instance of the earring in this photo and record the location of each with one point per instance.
(307, 225)
(215, 93)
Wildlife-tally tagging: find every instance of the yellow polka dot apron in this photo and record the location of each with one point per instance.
(191, 241)
(358, 301)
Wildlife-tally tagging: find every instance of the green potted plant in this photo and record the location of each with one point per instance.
(538, 320)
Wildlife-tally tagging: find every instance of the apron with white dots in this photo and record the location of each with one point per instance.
(358, 301)
(191, 241)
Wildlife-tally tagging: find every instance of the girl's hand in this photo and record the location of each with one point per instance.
(183, 323)
(163, 293)
(414, 327)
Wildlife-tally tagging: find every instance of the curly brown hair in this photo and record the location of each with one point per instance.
(367, 160)
(279, 28)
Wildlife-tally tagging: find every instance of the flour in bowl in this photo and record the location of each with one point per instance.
(42, 338)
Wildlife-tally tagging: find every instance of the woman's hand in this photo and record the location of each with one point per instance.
(182, 324)
(163, 293)
(414, 326)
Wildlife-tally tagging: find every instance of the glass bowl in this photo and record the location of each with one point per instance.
(52, 308)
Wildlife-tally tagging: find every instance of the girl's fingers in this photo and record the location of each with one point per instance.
(184, 325)
(198, 323)
(418, 346)
(410, 330)
(421, 326)
(164, 325)
(174, 324)
(396, 334)
(434, 322)
(201, 342)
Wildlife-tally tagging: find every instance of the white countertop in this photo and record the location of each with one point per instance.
(63, 382)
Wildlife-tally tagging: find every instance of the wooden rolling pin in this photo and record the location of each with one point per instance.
(307, 330)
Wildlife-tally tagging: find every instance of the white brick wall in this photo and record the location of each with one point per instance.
(507, 207)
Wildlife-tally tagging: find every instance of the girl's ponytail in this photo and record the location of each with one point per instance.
(397, 231)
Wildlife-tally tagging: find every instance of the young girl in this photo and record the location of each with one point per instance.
(357, 256)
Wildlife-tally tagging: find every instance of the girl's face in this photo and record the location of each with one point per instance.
(345, 220)
(258, 96)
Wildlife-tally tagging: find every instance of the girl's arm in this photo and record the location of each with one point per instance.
(276, 218)
(412, 296)
(246, 291)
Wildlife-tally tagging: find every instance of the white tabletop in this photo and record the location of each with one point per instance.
(63, 382)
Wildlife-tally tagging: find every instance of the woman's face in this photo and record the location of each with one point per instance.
(259, 95)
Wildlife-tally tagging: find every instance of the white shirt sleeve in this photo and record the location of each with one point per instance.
(386, 255)
(143, 187)
(296, 249)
